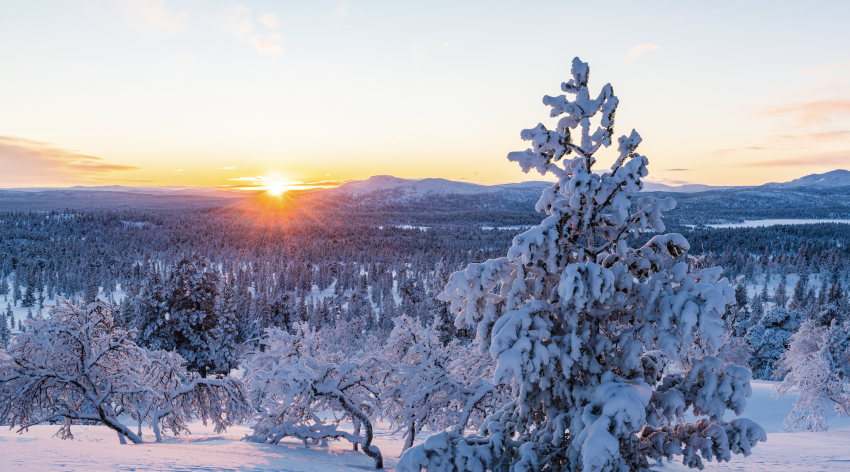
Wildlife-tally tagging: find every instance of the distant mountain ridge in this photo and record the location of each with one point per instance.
(834, 178)
(438, 186)
(378, 183)
(151, 191)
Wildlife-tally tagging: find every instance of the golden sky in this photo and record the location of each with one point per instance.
(223, 94)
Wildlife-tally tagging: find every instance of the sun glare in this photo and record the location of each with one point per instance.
(276, 190)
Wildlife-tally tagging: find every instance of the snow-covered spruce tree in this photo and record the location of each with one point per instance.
(179, 313)
(572, 313)
(292, 381)
(5, 331)
(816, 365)
(769, 337)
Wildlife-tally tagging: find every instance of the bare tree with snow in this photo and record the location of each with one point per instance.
(77, 365)
(816, 365)
(572, 312)
(428, 385)
(293, 382)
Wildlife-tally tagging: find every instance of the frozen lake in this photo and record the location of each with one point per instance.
(757, 223)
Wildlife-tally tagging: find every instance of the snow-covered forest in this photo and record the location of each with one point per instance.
(588, 326)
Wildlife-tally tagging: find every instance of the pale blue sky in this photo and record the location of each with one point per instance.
(735, 92)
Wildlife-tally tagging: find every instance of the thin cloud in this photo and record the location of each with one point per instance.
(237, 23)
(807, 113)
(224, 168)
(28, 162)
(155, 15)
(447, 44)
(750, 148)
(341, 8)
(838, 159)
(664, 181)
(270, 20)
(178, 170)
(638, 51)
(674, 170)
(827, 68)
(817, 137)
(260, 179)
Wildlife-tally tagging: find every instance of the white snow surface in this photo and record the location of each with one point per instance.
(760, 223)
(96, 448)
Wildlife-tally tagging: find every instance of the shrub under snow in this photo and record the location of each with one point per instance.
(78, 366)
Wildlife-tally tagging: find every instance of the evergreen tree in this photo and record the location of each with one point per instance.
(798, 299)
(577, 312)
(780, 296)
(739, 311)
(770, 337)
(5, 331)
(28, 299)
(179, 314)
(10, 315)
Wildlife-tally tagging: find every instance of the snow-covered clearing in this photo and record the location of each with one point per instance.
(96, 448)
(759, 223)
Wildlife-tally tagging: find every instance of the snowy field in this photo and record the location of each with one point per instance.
(760, 223)
(95, 448)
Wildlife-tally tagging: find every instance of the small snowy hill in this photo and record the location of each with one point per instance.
(687, 188)
(381, 183)
(835, 178)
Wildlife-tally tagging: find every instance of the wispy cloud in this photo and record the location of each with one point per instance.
(808, 113)
(836, 159)
(270, 20)
(750, 148)
(674, 170)
(28, 162)
(447, 44)
(827, 68)
(155, 15)
(178, 170)
(341, 8)
(826, 136)
(668, 181)
(639, 50)
(224, 168)
(259, 179)
(237, 23)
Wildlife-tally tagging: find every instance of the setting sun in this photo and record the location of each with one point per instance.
(276, 190)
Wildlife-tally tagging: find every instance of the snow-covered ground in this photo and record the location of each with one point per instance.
(759, 223)
(95, 448)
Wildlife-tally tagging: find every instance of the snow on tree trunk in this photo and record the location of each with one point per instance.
(572, 313)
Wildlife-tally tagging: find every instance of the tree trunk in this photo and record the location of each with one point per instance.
(411, 436)
(356, 431)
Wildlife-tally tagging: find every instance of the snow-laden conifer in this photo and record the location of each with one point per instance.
(576, 319)
(769, 337)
